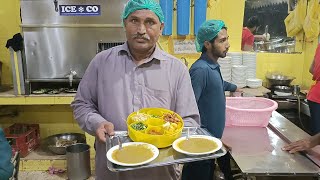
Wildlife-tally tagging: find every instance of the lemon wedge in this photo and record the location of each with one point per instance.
(166, 125)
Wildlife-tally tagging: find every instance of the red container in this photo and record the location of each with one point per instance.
(23, 137)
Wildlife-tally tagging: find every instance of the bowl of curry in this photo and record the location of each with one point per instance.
(157, 126)
(133, 154)
(197, 145)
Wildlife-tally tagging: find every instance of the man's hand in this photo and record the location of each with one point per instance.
(300, 145)
(227, 146)
(103, 129)
(237, 93)
(260, 37)
(266, 36)
(239, 90)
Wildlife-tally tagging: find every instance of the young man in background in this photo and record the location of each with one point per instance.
(209, 89)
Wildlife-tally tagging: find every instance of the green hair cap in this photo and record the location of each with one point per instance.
(207, 31)
(134, 5)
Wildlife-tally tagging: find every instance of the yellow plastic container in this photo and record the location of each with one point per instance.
(155, 130)
(160, 141)
(155, 122)
(155, 113)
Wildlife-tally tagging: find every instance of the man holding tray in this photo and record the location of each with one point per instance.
(126, 78)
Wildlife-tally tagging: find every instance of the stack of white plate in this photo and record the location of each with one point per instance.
(249, 59)
(239, 75)
(225, 68)
(254, 83)
(236, 58)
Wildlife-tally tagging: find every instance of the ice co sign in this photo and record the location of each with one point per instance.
(79, 10)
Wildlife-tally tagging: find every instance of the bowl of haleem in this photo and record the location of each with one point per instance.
(133, 154)
(197, 145)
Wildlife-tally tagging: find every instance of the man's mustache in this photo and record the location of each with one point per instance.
(138, 36)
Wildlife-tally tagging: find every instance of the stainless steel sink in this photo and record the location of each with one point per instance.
(286, 104)
(293, 104)
(305, 108)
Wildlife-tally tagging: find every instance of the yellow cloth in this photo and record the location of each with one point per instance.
(294, 21)
(311, 22)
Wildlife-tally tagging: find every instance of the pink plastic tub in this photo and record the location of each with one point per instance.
(249, 111)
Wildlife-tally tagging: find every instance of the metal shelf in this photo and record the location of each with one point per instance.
(8, 98)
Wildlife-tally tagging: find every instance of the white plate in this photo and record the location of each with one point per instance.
(154, 149)
(282, 93)
(217, 141)
(254, 86)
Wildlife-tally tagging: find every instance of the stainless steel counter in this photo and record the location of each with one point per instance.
(257, 151)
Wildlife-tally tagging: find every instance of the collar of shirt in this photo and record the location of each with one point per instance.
(157, 54)
(211, 63)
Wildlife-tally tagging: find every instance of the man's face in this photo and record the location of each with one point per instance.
(220, 46)
(143, 29)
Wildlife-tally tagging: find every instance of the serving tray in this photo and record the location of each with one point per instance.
(167, 156)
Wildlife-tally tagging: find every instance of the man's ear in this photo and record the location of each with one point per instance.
(161, 27)
(124, 22)
(207, 44)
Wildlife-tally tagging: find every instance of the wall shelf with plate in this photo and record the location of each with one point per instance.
(8, 98)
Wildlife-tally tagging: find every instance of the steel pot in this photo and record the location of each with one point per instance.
(279, 80)
(51, 141)
(284, 48)
(78, 161)
(284, 89)
(296, 89)
(266, 45)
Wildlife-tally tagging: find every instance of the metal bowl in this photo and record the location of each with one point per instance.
(266, 45)
(283, 89)
(279, 80)
(51, 141)
(285, 47)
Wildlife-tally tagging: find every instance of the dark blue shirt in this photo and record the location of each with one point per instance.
(209, 87)
(6, 167)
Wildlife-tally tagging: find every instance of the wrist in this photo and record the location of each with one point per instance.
(315, 140)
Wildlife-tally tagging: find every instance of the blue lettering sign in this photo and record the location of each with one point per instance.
(79, 10)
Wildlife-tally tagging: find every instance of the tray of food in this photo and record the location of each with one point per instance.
(157, 137)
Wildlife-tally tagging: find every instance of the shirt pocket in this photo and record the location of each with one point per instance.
(156, 98)
(157, 93)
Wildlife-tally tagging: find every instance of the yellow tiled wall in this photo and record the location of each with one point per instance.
(288, 64)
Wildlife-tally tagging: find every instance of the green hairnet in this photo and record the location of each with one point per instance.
(207, 31)
(134, 5)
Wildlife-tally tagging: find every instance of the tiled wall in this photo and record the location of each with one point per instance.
(288, 64)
